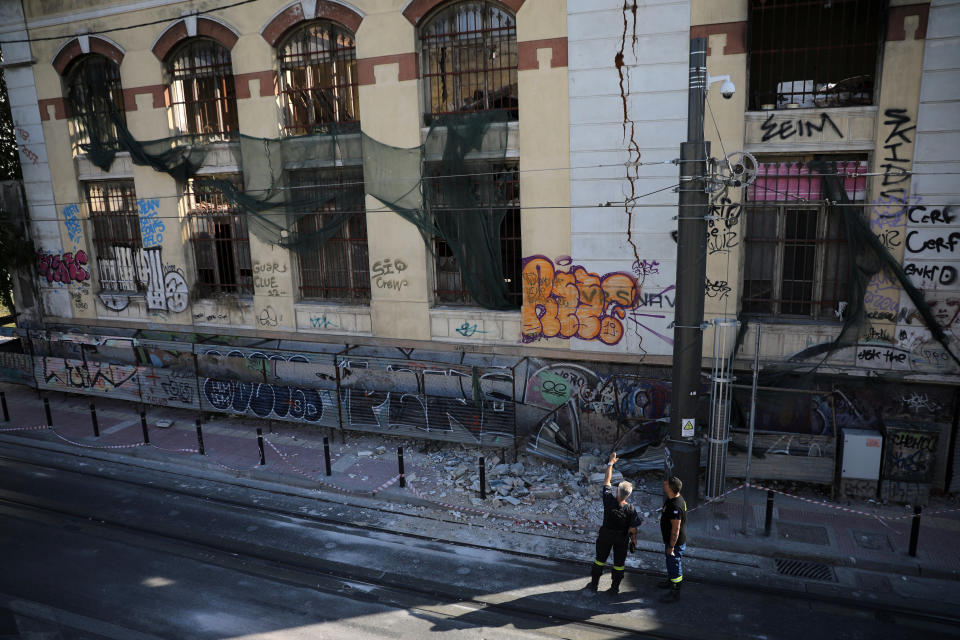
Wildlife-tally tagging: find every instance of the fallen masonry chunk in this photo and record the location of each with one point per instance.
(511, 500)
(517, 468)
(501, 469)
(546, 493)
(365, 453)
(381, 450)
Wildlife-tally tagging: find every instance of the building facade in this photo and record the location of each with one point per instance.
(458, 218)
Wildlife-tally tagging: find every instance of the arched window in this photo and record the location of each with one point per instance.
(202, 93)
(469, 59)
(94, 94)
(318, 78)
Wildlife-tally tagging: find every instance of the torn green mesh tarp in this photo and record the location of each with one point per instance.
(300, 191)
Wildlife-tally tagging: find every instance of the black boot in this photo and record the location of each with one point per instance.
(595, 572)
(673, 594)
(664, 584)
(617, 577)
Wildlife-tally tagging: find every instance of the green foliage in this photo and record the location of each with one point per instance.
(9, 158)
(16, 252)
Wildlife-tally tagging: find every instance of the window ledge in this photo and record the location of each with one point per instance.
(333, 318)
(474, 324)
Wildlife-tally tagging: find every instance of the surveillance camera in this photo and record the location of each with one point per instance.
(727, 89)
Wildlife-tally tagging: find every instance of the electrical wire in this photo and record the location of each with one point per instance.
(128, 27)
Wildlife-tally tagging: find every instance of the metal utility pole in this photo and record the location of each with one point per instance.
(691, 276)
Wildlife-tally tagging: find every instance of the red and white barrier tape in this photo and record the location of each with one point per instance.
(848, 509)
(38, 428)
(717, 499)
(175, 450)
(330, 485)
(101, 446)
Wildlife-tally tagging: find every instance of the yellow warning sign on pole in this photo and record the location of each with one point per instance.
(689, 426)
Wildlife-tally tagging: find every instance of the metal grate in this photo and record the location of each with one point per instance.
(811, 53)
(202, 94)
(797, 260)
(93, 82)
(116, 232)
(318, 79)
(496, 188)
(469, 60)
(805, 569)
(218, 233)
(339, 268)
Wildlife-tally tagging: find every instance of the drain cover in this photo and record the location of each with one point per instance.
(806, 533)
(872, 540)
(805, 569)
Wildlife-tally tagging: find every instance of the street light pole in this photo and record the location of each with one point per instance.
(690, 282)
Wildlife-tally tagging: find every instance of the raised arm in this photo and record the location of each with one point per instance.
(609, 476)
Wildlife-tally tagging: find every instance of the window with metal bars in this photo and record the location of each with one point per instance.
(202, 94)
(318, 79)
(796, 253)
(814, 53)
(338, 269)
(469, 59)
(116, 232)
(93, 84)
(496, 188)
(218, 233)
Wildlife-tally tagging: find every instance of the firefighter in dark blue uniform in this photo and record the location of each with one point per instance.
(619, 530)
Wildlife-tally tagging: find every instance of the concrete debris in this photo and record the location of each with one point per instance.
(517, 468)
(588, 463)
(381, 450)
(511, 500)
(365, 453)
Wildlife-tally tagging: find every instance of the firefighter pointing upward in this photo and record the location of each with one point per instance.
(620, 522)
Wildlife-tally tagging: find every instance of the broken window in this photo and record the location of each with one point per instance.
(318, 79)
(202, 95)
(469, 59)
(338, 268)
(218, 233)
(93, 93)
(116, 232)
(796, 256)
(805, 54)
(496, 188)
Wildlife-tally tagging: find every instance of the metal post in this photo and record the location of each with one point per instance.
(93, 420)
(724, 339)
(769, 517)
(143, 427)
(753, 413)
(3, 404)
(263, 460)
(691, 277)
(326, 453)
(483, 479)
(403, 480)
(46, 408)
(915, 530)
(200, 439)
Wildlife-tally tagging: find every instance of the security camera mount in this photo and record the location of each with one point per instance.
(727, 88)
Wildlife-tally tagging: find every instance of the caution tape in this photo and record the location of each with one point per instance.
(284, 458)
(100, 446)
(718, 498)
(847, 509)
(175, 450)
(38, 428)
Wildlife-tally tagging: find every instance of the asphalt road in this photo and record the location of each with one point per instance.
(87, 555)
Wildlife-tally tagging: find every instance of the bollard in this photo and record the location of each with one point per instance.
(769, 517)
(93, 420)
(403, 480)
(3, 403)
(915, 530)
(326, 453)
(260, 444)
(483, 479)
(46, 408)
(200, 438)
(143, 427)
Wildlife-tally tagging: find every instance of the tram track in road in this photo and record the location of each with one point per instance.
(882, 612)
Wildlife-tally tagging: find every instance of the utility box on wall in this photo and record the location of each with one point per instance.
(860, 469)
(909, 461)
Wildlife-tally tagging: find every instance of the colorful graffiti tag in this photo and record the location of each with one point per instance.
(64, 268)
(562, 300)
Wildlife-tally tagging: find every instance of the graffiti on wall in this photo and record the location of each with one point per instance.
(909, 455)
(151, 226)
(90, 376)
(778, 128)
(65, 268)
(388, 274)
(563, 300)
(71, 222)
(131, 271)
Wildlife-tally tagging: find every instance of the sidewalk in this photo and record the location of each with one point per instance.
(529, 493)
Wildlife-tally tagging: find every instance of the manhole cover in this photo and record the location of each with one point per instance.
(872, 540)
(807, 533)
(805, 569)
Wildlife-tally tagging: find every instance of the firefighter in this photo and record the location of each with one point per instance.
(619, 530)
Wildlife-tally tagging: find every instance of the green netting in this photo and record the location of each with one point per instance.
(452, 186)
